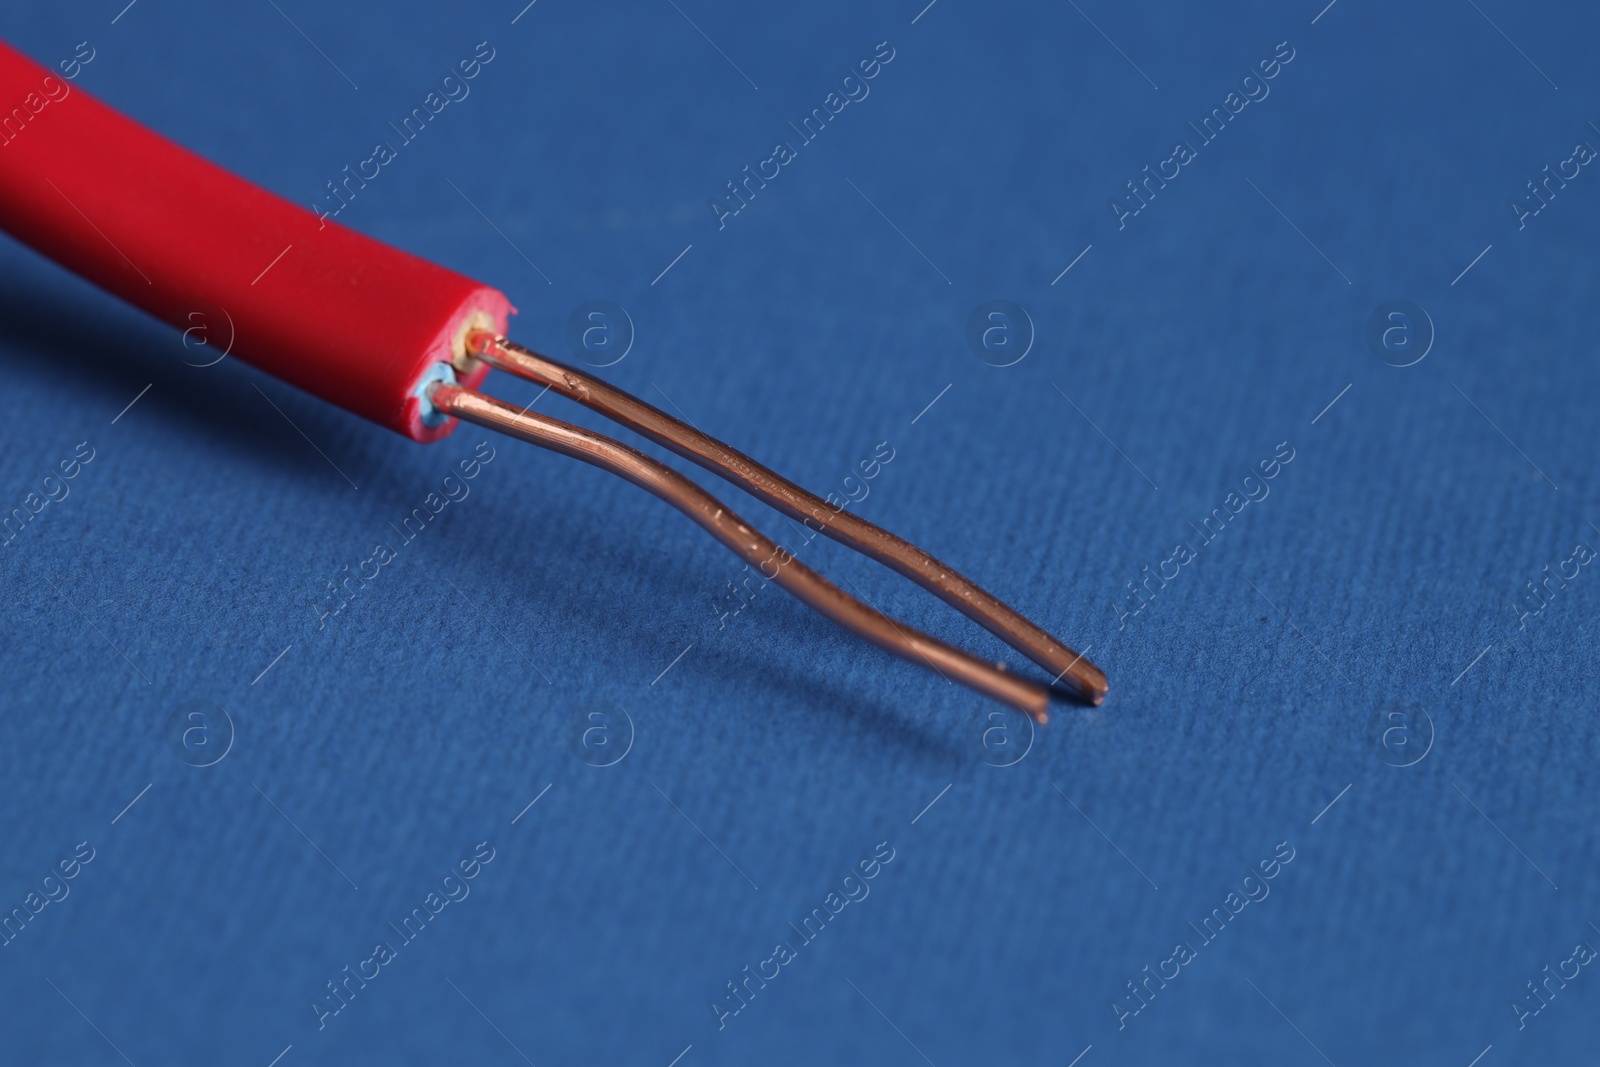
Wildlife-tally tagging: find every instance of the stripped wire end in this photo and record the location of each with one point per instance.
(1083, 678)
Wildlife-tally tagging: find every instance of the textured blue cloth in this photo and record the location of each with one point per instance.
(1349, 753)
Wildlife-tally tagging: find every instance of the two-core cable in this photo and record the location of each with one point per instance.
(405, 343)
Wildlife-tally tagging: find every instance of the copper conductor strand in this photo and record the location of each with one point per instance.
(806, 585)
(1084, 678)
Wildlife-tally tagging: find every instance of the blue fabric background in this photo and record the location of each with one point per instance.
(1312, 647)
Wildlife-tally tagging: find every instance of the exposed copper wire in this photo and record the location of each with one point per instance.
(1083, 677)
(759, 551)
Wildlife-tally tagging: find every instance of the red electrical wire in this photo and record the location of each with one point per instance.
(405, 343)
(340, 315)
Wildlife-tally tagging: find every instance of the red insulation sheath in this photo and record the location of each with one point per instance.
(340, 315)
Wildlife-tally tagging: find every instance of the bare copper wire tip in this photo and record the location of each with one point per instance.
(1084, 679)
